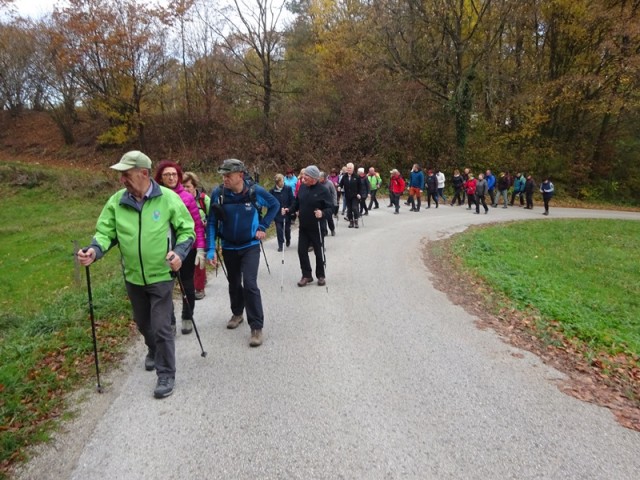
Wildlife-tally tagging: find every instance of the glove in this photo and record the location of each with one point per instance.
(200, 258)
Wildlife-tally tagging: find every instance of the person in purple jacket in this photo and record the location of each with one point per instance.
(169, 174)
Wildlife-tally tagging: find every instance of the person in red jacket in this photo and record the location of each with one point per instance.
(396, 189)
(470, 189)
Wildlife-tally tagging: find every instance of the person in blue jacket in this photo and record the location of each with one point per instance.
(491, 186)
(235, 217)
(284, 195)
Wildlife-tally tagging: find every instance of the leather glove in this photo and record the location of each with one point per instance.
(201, 258)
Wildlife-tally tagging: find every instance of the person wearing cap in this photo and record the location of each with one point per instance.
(547, 189)
(235, 217)
(313, 204)
(396, 189)
(290, 180)
(137, 219)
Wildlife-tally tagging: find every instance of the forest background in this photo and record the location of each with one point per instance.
(548, 87)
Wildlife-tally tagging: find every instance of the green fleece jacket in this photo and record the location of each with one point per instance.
(145, 235)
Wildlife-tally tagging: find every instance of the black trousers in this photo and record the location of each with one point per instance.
(458, 196)
(283, 230)
(186, 275)
(373, 200)
(310, 236)
(242, 270)
(353, 205)
(480, 200)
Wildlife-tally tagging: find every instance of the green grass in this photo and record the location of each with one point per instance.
(582, 274)
(45, 333)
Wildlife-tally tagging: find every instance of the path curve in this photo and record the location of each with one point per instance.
(377, 376)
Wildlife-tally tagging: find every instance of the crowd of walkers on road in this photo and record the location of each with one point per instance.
(167, 228)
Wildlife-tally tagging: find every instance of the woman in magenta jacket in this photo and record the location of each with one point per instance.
(169, 174)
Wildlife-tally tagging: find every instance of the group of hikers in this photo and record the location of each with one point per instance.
(168, 228)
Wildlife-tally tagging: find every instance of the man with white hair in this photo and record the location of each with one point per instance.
(351, 186)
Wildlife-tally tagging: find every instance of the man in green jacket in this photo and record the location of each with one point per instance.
(154, 231)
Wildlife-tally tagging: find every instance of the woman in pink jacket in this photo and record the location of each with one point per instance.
(169, 174)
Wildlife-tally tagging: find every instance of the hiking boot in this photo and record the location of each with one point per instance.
(355, 224)
(150, 361)
(187, 326)
(305, 281)
(350, 224)
(333, 233)
(256, 338)
(200, 294)
(321, 282)
(234, 321)
(164, 387)
(280, 248)
(288, 243)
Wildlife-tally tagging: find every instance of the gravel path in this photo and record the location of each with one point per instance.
(377, 376)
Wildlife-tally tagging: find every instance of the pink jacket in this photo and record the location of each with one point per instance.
(192, 206)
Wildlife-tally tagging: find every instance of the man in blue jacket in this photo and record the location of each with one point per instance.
(491, 186)
(235, 217)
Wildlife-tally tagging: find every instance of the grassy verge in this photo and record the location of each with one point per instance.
(581, 274)
(45, 332)
(565, 290)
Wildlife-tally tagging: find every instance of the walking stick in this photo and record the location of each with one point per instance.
(93, 330)
(264, 254)
(324, 255)
(282, 271)
(186, 301)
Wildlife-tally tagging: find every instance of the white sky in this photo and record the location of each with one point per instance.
(33, 8)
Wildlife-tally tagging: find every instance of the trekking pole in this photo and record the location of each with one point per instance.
(219, 253)
(324, 255)
(282, 271)
(264, 254)
(186, 301)
(93, 330)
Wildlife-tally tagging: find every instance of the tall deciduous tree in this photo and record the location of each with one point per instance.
(119, 47)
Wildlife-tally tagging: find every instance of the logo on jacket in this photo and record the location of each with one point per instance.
(156, 215)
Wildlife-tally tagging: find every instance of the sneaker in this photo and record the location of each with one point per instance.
(200, 294)
(305, 281)
(164, 387)
(256, 338)
(321, 282)
(150, 361)
(187, 326)
(234, 321)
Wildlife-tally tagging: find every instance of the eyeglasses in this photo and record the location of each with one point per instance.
(169, 174)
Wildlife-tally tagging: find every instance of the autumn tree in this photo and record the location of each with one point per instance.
(119, 49)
